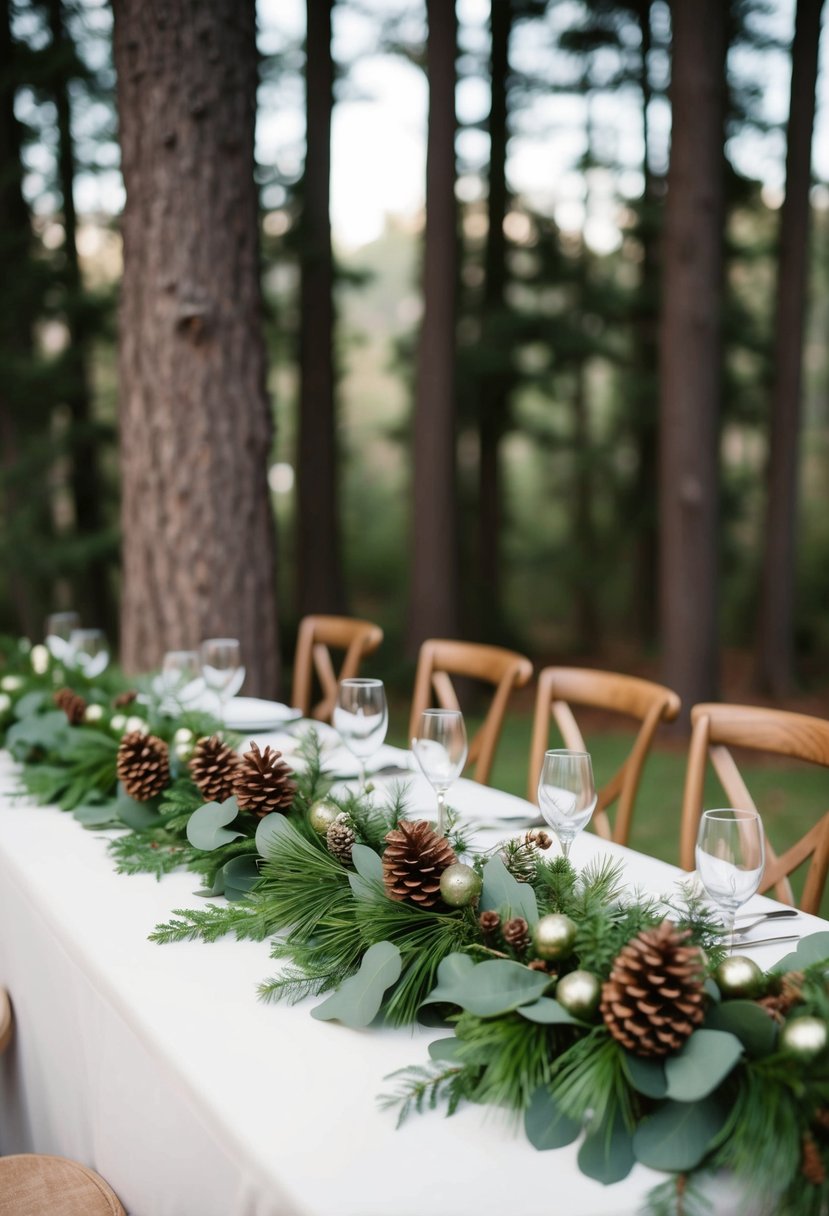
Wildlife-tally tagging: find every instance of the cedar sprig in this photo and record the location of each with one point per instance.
(679, 1195)
(146, 853)
(422, 1088)
(181, 798)
(249, 919)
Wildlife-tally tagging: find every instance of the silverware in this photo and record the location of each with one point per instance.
(767, 941)
(760, 918)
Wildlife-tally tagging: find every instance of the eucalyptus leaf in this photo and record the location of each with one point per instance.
(452, 972)
(29, 703)
(367, 863)
(679, 1134)
(756, 1029)
(240, 874)
(46, 731)
(206, 827)
(546, 1124)
(136, 815)
(647, 1076)
(491, 988)
(809, 950)
(101, 815)
(273, 829)
(607, 1152)
(444, 1049)
(502, 892)
(357, 1001)
(704, 1062)
(549, 1012)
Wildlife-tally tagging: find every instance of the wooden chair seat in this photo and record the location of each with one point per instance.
(439, 659)
(648, 703)
(6, 1020)
(316, 638)
(36, 1185)
(715, 729)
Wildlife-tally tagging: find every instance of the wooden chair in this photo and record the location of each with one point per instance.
(439, 660)
(33, 1184)
(316, 638)
(649, 703)
(6, 1020)
(716, 728)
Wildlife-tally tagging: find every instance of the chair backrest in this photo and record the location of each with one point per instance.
(648, 703)
(716, 728)
(32, 1184)
(440, 659)
(6, 1020)
(316, 638)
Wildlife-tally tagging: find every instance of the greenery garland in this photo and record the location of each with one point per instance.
(518, 959)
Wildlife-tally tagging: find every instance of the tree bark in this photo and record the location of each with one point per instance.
(777, 592)
(319, 571)
(690, 355)
(196, 427)
(433, 597)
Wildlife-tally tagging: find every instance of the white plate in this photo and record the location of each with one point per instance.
(253, 713)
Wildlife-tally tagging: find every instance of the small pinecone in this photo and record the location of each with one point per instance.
(811, 1162)
(517, 934)
(654, 997)
(541, 839)
(143, 765)
(489, 922)
(341, 838)
(213, 767)
(413, 862)
(263, 782)
(790, 993)
(538, 964)
(821, 1118)
(72, 704)
(124, 699)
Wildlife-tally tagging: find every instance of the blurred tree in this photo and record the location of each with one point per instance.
(776, 635)
(196, 427)
(690, 355)
(434, 588)
(319, 570)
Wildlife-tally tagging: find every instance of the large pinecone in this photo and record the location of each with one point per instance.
(263, 782)
(654, 997)
(214, 767)
(72, 704)
(413, 862)
(143, 765)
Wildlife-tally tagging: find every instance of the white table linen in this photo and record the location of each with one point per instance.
(158, 1066)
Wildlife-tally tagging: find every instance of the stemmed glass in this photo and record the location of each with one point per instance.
(566, 794)
(59, 629)
(730, 856)
(361, 719)
(221, 668)
(441, 749)
(89, 651)
(181, 678)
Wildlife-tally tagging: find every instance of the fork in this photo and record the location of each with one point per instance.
(762, 917)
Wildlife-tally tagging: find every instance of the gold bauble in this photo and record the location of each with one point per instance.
(804, 1037)
(579, 993)
(322, 814)
(738, 978)
(460, 885)
(554, 936)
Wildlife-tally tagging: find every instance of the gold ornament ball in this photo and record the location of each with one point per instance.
(738, 977)
(804, 1037)
(321, 815)
(11, 683)
(93, 713)
(579, 993)
(134, 723)
(183, 735)
(118, 723)
(40, 659)
(460, 885)
(554, 936)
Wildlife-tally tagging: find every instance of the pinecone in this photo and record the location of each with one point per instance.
(517, 934)
(489, 922)
(143, 765)
(811, 1162)
(72, 704)
(123, 699)
(214, 767)
(654, 997)
(341, 838)
(789, 994)
(263, 782)
(413, 862)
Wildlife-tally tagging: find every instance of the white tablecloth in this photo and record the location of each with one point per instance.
(158, 1066)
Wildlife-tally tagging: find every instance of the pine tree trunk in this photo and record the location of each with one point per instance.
(776, 637)
(198, 532)
(433, 597)
(319, 574)
(690, 355)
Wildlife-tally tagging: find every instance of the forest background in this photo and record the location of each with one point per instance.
(582, 408)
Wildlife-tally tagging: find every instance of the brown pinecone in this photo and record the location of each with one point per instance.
(517, 934)
(413, 862)
(263, 782)
(779, 1003)
(123, 699)
(654, 997)
(143, 765)
(341, 838)
(489, 922)
(213, 767)
(72, 704)
(811, 1162)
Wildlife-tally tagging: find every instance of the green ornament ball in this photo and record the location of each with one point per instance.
(738, 977)
(322, 814)
(554, 936)
(579, 993)
(804, 1037)
(460, 885)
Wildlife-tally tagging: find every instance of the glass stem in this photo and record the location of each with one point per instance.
(362, 765)
(565, 848)
(441, 812)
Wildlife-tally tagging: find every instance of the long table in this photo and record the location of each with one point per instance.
(158, 1066)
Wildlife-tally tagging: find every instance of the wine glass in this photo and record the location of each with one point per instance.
(221, 668)
(441, 749)
(59, 629)
(730, 855)
(181, 679)
(361, 718)
(566, 793)
(89, 651)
